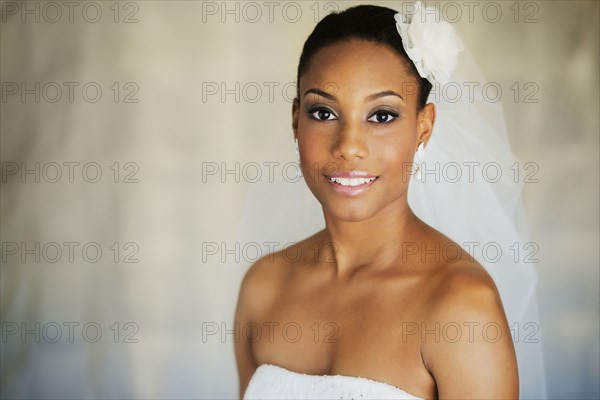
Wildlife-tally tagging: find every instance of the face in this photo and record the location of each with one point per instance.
(358, 128)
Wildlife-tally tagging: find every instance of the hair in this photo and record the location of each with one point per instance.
(372, 23)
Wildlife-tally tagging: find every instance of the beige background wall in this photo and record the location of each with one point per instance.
(175, 53)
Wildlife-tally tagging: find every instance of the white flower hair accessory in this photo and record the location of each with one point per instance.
(430, 42)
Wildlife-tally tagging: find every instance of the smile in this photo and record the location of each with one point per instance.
(351, 183)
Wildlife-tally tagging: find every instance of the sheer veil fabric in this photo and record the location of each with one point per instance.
(471, 192)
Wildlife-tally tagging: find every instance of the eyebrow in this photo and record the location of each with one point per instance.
(371, 97)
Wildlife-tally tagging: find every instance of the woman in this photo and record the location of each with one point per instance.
(371, 306)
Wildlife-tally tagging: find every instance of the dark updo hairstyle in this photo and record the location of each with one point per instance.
(372, 23)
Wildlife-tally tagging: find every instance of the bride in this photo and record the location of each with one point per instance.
(379, 304)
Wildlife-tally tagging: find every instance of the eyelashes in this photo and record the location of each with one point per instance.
(381, 116)
(321, 114)
(388, 115)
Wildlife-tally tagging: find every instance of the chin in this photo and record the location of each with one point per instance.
(355, 212)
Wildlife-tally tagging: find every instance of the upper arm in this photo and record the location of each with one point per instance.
(255, 292)
(473, 354)
(243, 350)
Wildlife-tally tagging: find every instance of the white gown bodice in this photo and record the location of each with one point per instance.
(273, 382)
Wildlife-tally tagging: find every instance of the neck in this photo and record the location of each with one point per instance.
(372, 243)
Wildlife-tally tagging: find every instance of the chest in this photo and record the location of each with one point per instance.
(325, 329)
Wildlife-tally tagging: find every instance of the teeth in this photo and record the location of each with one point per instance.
(351, 181)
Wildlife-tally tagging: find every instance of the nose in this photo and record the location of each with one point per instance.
(350, 143)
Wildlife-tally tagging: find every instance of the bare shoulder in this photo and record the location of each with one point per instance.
(470, 352)
(260, 290)
(265, 279)
(260, 282)
(467, 291)
(463, 287)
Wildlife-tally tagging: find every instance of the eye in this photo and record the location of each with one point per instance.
(383, 116)
(322, 114)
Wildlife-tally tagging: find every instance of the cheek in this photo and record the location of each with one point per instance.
(394, 156)
(397, 161)
(394, 143)
(390, 147)
(315, 141)
(314, 154)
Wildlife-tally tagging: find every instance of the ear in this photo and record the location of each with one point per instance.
(295, 116)
(425, 122)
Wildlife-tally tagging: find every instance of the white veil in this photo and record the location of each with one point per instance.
(479, 210)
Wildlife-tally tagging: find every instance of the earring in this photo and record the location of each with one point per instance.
(298, 170)
(419, 161)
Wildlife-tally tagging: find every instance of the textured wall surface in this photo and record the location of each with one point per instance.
(131, 318)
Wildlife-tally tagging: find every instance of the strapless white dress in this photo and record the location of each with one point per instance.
(273, 382)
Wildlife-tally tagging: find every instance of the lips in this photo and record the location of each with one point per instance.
(351, 183)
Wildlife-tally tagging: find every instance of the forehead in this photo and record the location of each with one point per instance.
(358, 68)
